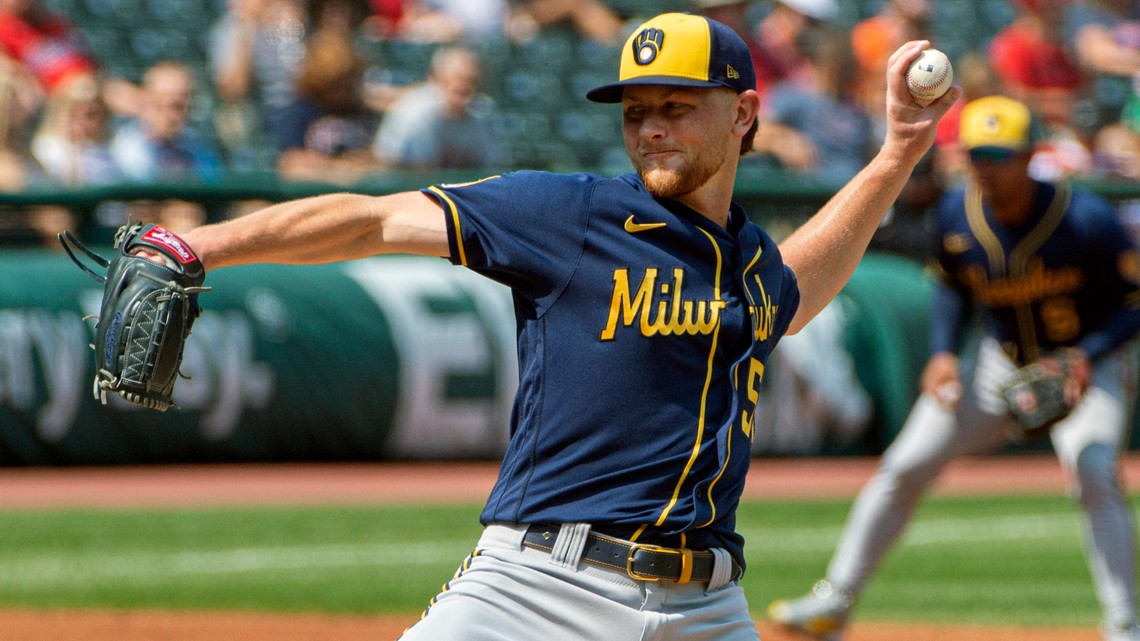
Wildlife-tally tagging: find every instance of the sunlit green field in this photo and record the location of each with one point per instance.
(980, 560)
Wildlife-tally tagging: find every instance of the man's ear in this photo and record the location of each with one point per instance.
(747, 110)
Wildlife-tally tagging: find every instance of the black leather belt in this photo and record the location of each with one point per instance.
(639, 561)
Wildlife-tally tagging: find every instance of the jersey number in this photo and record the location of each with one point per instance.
(755, 375)
(1062, 323)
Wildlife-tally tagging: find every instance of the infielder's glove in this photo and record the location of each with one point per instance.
(146, 313)
(1045, 391)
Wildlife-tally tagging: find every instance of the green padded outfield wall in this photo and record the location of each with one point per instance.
(385, 358)
(380, 358)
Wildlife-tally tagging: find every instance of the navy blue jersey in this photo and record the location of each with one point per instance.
(1067, 277)
(643, 329)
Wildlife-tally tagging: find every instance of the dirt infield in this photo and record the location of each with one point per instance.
(300, 484)
(370, 483)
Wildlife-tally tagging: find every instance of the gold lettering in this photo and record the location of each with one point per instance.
(621, 304)
(669, 315)
(764, 316)
(1061, 320)
(1037, 284)
(678, 302)
(707, 321)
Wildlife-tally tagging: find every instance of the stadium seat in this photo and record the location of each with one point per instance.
(184, 13)
(151, 45)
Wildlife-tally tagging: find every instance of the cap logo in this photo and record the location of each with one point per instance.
(647, 45)
(732, 74)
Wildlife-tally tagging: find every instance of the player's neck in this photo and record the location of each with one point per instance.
(713, 199)
(715, 209)
(1013, 207)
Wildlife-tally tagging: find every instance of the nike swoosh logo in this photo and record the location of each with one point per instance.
(633, 227)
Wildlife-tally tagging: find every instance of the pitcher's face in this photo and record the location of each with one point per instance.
(676, 137)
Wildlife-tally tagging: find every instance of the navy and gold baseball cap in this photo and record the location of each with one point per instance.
(998, 127)
(681, 50)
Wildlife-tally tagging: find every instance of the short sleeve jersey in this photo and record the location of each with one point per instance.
(643, 329)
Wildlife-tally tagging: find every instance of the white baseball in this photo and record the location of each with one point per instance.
(929, 76)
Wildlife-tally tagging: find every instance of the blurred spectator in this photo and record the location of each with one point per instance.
(735, 14)
(1033, 63)
(438, 21)
(344, 17)
(592, 19)
(71, 142)
(388, 18)
(35, 225)
(54, 52)
(875, 38)
(70, 146)
(445, 122)
(326, 134)
(1105, 36)
(1116, 150)
(45, 42)
(256, 48)
(17, 110)
(159, 144)
(819, 128)
(1061, 154)
(779, 35)
(1031, 59)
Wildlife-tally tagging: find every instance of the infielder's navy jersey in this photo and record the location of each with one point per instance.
(643, 329)
(1068, 277)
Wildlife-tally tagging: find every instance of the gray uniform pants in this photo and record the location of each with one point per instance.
(507, 592)
(1087, 444)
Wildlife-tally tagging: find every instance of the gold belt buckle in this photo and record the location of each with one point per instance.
(686, 562)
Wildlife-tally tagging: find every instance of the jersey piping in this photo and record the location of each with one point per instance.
(705, 392)
(454, 211)
(1018, 260)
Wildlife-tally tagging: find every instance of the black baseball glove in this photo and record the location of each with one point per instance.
(146, 313)
(1045, 391)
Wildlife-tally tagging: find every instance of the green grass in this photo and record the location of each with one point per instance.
(336, 559)
(1007, 560)
(992, 560)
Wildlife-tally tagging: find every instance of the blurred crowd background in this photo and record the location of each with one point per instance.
(343, 92)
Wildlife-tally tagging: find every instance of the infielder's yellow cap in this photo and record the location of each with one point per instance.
(681, 50)
(997, 123)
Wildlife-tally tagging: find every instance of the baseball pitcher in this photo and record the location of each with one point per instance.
(646, 308)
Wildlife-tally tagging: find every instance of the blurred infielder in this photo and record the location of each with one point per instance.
(646, 307)
(1056, 278)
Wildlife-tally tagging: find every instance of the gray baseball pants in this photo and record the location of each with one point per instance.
(1087, 443)
(508, 592)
